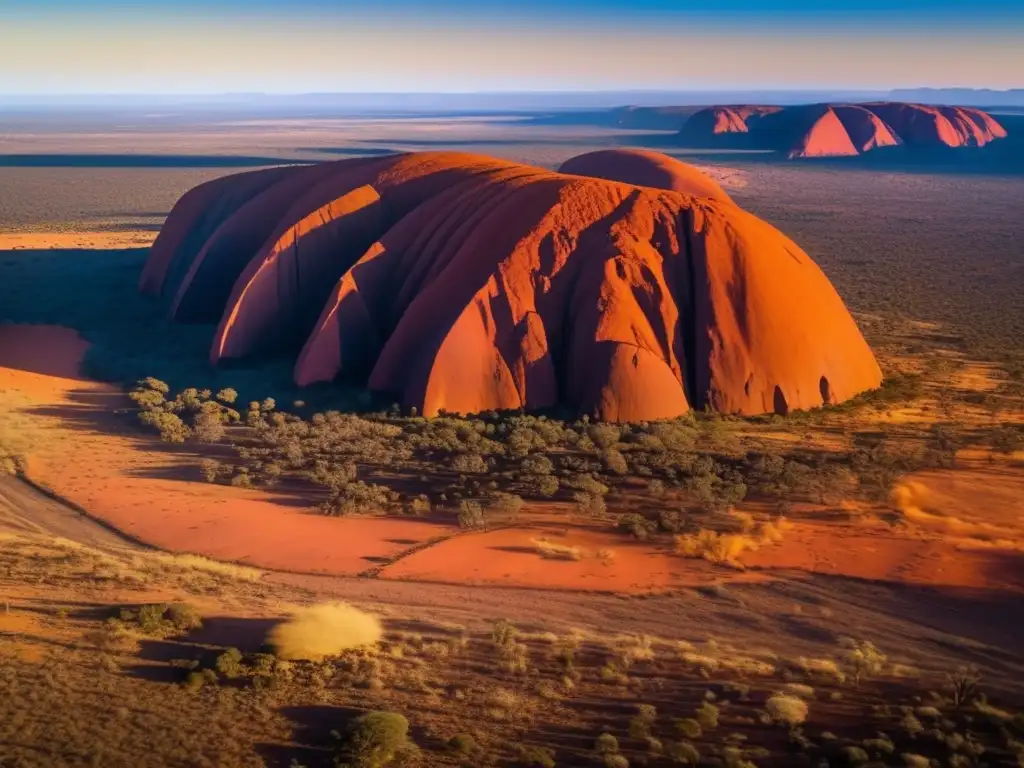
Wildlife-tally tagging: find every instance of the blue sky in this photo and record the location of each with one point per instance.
(60, 46)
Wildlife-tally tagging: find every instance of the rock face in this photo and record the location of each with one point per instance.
(465, 283)
(717, 121)
(929, 126)
(827, 137)
(841, 130)
(645, 169)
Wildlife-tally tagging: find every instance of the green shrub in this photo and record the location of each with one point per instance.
(636, 525)
(162, 619)
(641, 724)
(862, 659)
(150, 618)
(227, 396)
(689, 728)
(470, 463)
(615, 462)
(230, 663)
(153, 384)
(544, 485)
(208, 426)
(586, 483)
(670, 520)
(471, 515)
(536, 757)
(707, 716)
(536, 465)
(604, 436)
(606, 744)
(148, 399)
(506, 503)
(462, 744)
(183, 617)
(170, 426)
(420, 505)
(358, 496)
(590, 504)
(199, 678)
(854, 755)
(375, 740)
(211, 469)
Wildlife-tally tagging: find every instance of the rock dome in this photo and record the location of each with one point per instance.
(645, 169)
(466, 283)
(841, 130)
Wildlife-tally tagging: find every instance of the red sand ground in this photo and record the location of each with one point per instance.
(510, 556)
(76, 451)
(101, 241)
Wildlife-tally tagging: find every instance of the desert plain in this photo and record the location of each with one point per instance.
(838, 586)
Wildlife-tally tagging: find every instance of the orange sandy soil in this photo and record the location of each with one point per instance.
(879, 555)
(16, 241)
(74, 451)
(73, 445)
(509, 557)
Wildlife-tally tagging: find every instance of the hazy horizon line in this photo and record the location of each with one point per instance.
(490, 91)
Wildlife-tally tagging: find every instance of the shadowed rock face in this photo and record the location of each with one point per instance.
(465, 283)
(841, 130)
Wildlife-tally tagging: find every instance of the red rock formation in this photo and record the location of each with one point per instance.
(931, 126)
(866, 130)
(194, 218)
(826, 137)
(749, 305)
(278, 297)
(812, 130)
(212, 270)
(646, 169)
(715, 121)
(494, 285)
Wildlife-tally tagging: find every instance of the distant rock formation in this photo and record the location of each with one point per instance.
(465, 283)
(649, 118)
(715, 121)
(841, 130)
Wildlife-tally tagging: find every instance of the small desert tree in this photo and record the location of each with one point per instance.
(208, 425)
(227, 396)
(375, 740)
(471, 515)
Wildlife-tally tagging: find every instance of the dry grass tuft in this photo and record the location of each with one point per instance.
(799, 689)
(726, 548)
(551, 550)
(198, 563)
(785, 709)
(317, 631)
(823, 668)
(718, 548)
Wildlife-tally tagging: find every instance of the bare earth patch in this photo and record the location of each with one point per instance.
(17, 241)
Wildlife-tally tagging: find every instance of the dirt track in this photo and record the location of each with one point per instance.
(928, 627)
(26, 509)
